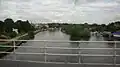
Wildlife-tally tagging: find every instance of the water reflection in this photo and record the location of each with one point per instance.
(90, 59)
(74, 59)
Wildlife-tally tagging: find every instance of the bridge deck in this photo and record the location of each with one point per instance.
(8, 63)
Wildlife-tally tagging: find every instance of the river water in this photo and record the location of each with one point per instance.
(58, 35)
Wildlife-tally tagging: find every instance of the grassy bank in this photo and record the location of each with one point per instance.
(25, 36)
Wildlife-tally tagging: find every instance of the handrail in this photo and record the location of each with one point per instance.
(67, 48)
(56, 54)
(64, 41)
(79, 54)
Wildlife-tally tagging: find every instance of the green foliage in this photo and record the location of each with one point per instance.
(1, 27)
(53, 25)
(6, 27)
(77, 31)
(31, 34)
(24, 26)
(111, 27)
(12, 34)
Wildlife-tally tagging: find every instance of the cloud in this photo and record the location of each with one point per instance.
(91, 11)
(102, 4)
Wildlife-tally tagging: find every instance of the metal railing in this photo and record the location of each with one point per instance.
(78, 48)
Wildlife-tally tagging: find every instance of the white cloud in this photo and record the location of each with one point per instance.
(103, 4)
(100, 11)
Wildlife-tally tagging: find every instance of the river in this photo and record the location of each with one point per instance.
(58, 35)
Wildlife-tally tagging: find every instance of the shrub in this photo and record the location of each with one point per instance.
(31, 34)
(12, 34)
(77, 32)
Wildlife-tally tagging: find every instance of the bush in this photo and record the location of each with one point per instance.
(12, 34)
(31, 34)
(77, 32)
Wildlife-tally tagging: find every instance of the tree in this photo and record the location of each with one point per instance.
(77, 31)
(9, 25)
(18, 24)
(24, 26)
(12, 34)
(1, 27)
(111, 27)
(86, 25)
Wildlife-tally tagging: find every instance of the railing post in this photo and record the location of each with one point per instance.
(114, 57)
(79, 52)
(45, 57)
(14, 53)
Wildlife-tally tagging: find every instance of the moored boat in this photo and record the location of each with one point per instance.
(116, 35)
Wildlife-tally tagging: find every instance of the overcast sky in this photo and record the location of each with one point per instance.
(72, 11)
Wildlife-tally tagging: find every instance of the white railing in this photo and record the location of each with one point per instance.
(79, 54)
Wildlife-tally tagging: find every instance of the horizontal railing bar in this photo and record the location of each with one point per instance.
(98, 55)
(23, 46)
(55, 54)
(62, 41)
(47, 54)
(29, 53)
(30, 61)
(97, 64)
(95, 55)
(62, 54)
(61, 47)
(6, 52)
(78, 48)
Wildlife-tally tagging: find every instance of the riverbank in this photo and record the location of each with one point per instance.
(17, 43)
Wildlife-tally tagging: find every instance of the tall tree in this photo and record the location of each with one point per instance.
(1, 27)
(24, 26)
(9, 25)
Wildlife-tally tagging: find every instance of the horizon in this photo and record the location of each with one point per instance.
(57, 22)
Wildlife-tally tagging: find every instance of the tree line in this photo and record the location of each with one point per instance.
(82, 31)
(7, 26)
(111, 27)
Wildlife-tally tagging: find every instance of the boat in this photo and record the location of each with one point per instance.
(116, 35)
